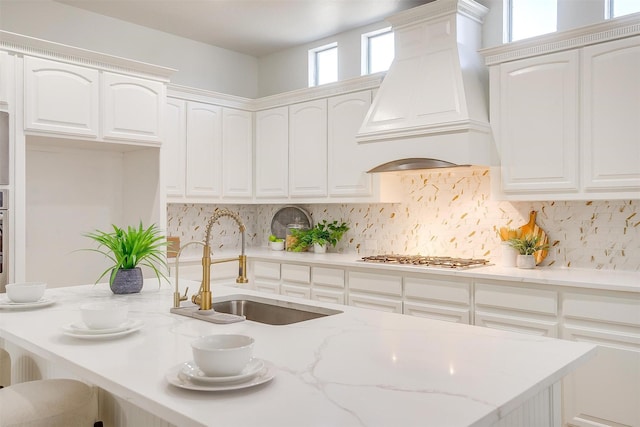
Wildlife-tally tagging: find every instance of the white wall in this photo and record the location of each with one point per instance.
(198, 64)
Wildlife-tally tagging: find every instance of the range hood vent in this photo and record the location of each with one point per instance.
(412, 164)
(436, 87)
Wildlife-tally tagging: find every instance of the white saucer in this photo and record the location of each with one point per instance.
(191, 370)
(81, 328)
(175, 377)
(133, 327)
(10, 305)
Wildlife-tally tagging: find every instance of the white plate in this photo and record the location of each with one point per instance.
(175, 377)
(8, 304)
(191, 370)
(93, 336)
(81, 328)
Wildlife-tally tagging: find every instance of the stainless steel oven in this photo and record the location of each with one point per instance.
(4, 238)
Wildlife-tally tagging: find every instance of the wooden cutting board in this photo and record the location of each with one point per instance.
(532, 228)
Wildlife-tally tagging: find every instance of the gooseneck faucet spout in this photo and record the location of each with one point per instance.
(203, 298)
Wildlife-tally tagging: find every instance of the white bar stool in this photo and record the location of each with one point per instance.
(49, 403)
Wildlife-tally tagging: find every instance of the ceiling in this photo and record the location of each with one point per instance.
(253, 27)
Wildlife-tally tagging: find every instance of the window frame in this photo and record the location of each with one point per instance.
(507, 36)
(314, 63)
(365, 57)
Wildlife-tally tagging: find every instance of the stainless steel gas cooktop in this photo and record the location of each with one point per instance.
(427, 261)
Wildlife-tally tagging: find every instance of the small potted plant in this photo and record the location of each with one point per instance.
(127, 249)
(526, 247)
(276, 244)
(322, 234)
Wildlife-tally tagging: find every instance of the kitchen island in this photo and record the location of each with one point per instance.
(356, 368)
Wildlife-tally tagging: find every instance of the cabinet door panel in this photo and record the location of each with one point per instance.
(517, 324)
(132, 108)
(438, 312)
(174, 147)
(538, 135)
(272, 153)
(308, 149)
(347, 170)
(611, 99)
(375, 303)
(204, 150)
(295, 291)
(61, 98)
(237, 153)
(327, 295)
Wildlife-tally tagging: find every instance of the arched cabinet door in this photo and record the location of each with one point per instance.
(132, 108)
(61, 98)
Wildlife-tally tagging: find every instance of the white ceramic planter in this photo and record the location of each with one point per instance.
(525, 261)
(276, 246)
(319, 249)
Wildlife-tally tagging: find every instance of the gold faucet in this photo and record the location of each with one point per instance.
(203, 297)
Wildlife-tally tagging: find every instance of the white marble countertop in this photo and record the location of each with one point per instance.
(613, 280)
(357, 368)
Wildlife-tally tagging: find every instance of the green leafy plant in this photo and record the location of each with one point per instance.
(527, 245)
(322, 233)
(131, 247)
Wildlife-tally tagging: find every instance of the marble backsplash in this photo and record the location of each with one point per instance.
(445, 213)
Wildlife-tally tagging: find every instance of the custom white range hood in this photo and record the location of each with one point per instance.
(433, 100)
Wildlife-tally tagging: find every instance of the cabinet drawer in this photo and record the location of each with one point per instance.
(517, 298)
(448, 314)
(296, 291)
(269, 288)
(445, 290)
(328, 277)
(517, 324)
(266, 270)
(603, 308)
(296, 273)
(376, 283)
(225, 272)
(327, 295)
(376, 303)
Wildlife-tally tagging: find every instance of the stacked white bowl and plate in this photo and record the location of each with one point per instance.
(221, 362)
(103, 320)
(25, 295)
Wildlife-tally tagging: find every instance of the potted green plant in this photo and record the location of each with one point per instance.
(322, 234)
(526, 247)
(128, 249)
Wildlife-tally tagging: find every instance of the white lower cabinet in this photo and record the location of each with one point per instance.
(296, 280)
(605, 391)
(517, 308)
(328, 285)
(265, 276)
(381, 292)
(446, 299)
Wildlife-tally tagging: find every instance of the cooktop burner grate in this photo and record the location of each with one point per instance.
(427, 261)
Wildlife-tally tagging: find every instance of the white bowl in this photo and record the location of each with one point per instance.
(104, 315)
(222, 355)
(25, 291)
(276, 246)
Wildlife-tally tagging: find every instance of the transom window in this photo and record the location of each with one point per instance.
(377, 51)
(530, 18)
(615, 8)
(323, 64)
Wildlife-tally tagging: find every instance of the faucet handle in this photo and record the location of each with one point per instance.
(177, 298)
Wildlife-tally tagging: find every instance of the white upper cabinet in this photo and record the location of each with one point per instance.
(6, 77)
(174, 147)
(237, 153)
(61, 98)
(204, 150)
(272, 153)
(611, 115)
(308, 149)
(347, 170)
(132, 108)
(564, 112)
(538, 116)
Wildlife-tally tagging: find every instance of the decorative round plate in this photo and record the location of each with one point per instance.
(68, 331)
(289, 215)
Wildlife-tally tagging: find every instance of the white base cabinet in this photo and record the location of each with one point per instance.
(446, 299)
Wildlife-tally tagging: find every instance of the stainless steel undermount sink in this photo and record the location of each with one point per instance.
(269, 311)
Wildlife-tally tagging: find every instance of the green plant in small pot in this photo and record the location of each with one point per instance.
(322, 234)
(526, 247)
(128, 249)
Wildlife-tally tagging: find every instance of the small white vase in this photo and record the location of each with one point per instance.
(525, 261)
(319, 249)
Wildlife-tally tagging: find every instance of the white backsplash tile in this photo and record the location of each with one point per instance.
(446, 213)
